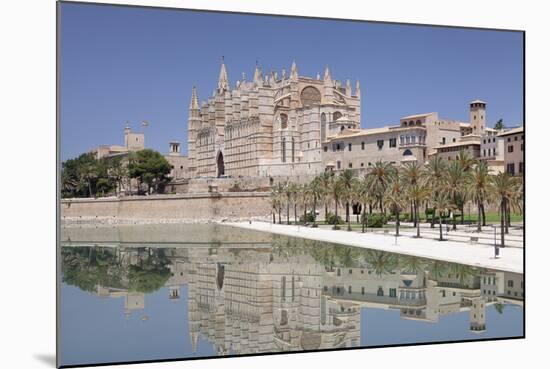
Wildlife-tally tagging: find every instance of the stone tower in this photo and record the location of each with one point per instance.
(193, 125)
(477, 117)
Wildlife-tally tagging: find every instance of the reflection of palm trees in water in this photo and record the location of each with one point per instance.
(412, 264)
(437, 269)
(381, 262)
(463, 272)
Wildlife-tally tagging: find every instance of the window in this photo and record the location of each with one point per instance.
(454, 139)
(362, 165)
(380, 144)
(484, 141)
(443, 140)
(494, 151)
(484, 152)
(402, 139)
(325, 148)
(510, 283)
(349, 147)
(338, 164)
(510, 148)
(283, 150)
(509, 139)
(393, 292)
(284, 121)
(515, 138)
(393, 142)
(350, 165)
(362, 146)
(407, 152)
(520, 167)
(510, 168)
(349, 289)
(362, 290)
(350, 271)
(380, 292)
(293, 149)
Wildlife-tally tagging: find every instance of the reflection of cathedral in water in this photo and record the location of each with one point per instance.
(251, 300)
(257, 302)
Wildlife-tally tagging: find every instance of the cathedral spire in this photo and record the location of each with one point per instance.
(348, 87)
(327, 77)
(258, 78)
(223, 83)
(194, 104)
(293, 71)
(357, 89)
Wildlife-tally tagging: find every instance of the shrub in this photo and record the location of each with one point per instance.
(330, 218)
(309, 218)
(377, 220)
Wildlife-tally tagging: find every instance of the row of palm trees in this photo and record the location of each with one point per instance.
(440, 186)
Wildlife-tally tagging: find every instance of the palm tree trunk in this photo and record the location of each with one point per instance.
(273, 212)
(397, 223)
(363, 216)
(483, 214)
(314, 210)
(479, 216)
(295, 216)
(288, 213)
(280, 211)
(349, 223)
(335, 212)
(326, 211)
(508, 216)
(417, 222)
(90, 187)
(305, 214)
(502, 215)
(440, 227)
(462, 211)
(347, 211)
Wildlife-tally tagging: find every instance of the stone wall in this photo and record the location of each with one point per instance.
(185, 207)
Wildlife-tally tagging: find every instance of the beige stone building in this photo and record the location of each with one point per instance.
(513, 146)
(270, 126)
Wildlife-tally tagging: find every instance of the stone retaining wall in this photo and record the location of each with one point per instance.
(184, 207)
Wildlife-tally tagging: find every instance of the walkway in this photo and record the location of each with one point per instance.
(475, 254)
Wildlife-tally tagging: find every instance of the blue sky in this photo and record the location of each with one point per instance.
(123, 64)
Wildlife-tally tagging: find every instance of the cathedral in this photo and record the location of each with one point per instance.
(272, 126)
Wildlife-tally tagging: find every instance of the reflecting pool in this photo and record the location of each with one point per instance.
(152, 292)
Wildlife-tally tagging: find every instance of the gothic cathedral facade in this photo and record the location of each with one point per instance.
(268, 127)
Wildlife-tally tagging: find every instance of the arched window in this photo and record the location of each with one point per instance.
(418, 122)
(284, 121)
(337, 115)
(283, 150)
(293, 149)
(411, 123)
(323, 126)
(407, 152)
(310, 96)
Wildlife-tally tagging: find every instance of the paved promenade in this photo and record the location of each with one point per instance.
(480, 255)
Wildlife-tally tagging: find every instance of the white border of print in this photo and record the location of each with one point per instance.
(28, 152)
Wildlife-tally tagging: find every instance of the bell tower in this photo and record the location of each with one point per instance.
(477, 117)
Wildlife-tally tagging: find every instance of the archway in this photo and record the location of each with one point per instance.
(220, 165)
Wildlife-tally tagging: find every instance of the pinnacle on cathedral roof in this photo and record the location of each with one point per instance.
(293, 71)
(327, 77)
(194, 104)
(223, 82)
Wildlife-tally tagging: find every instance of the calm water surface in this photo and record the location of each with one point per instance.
(132, 293)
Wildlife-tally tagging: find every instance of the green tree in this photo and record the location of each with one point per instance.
(441, 204)
(479, 188)
(456, 180)
(380, 175)
(149, 167)
(418, 193)
(348, 180)
(499, 125)
(336, 190)
(434, 174)
(502, 189)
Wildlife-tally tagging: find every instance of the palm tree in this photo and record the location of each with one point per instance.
(412, 264)
(441, 205)
(437, 268)
(88, 172)
(479, 187)
(381, 174)
(288, 199)
(365, 197)
(411, 173)
(467, 163)
(435, 177)
(305, 194)
(315, 192)
(396, 200)
(324, 182)
(348, 180)
(418, 193)
(503, 186)
(294, 194)
(455, 183)
(336, 189)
